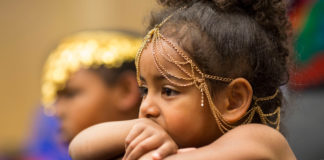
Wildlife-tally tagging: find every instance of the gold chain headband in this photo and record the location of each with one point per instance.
(197, 78)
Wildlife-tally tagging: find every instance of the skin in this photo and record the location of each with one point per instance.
(172, 116)
(109, 144)
(87, 100)
(251, 141)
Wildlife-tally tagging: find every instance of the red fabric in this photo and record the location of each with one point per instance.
(311, 75)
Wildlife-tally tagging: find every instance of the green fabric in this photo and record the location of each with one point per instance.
(310, 41)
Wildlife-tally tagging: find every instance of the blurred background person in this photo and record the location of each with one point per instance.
(30, 29)
(88, 79)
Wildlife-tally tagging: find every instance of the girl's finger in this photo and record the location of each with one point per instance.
(144, 147)
(135, 142)
(135, 131)
(165, 150)
(182, 150)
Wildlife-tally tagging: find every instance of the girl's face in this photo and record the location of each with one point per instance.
(85, 101)
(177, 109)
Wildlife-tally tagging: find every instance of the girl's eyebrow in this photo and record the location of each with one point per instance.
(63, 91)
(159, 78)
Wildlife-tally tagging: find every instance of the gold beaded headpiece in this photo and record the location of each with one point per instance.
(84, 50)
(196, 77)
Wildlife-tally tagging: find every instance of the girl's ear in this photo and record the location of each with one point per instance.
(128, 92)
(236, 100)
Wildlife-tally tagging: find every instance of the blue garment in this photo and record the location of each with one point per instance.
(44, 142)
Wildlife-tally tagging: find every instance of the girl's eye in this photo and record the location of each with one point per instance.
(143, 91)
(68, 93)
(169, 92)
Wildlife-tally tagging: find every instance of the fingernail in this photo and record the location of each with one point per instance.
(156, 156)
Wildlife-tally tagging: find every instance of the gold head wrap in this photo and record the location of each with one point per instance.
(84, 50)
(197, 78)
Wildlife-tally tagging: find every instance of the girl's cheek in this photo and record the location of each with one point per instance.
(177, 122)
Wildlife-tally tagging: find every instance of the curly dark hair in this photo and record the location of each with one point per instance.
(233, 38)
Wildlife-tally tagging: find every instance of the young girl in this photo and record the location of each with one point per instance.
(210, 73)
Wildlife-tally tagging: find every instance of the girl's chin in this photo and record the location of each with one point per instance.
(65, 137)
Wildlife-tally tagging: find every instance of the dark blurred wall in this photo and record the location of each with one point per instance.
(28, 32)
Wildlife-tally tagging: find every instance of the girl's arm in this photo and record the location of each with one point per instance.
(101, 141)
(252, 141)
(108, 140)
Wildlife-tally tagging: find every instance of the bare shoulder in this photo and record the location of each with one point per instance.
(256, 141)
(251, 141)
(259, 132)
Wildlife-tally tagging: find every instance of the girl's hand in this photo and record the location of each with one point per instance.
(147, 136)
(183, 150)
(148, 156)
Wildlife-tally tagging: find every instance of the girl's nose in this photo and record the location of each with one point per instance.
(149, 109)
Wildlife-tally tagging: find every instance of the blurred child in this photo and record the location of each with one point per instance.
(88, 79)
